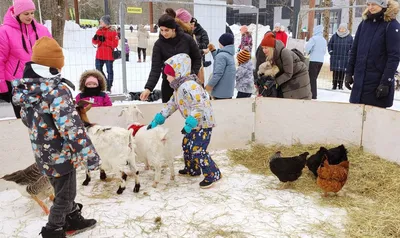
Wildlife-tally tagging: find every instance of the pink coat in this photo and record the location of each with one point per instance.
(102, 100)
(12, 53)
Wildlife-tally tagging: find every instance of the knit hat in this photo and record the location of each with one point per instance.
(168, 70)
(21, 6)
(226, 39)
(184, 15)
(243, 56)
(48, 52)
(381, 3)
(277, 24)
(244, 29)
(106, 19)
(92, 79)
(167, 21)
(268, 40)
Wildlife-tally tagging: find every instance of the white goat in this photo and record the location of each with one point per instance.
(116, 148)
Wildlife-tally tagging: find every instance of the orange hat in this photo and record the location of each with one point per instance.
(269, 40)
(243, 56)
(48, 52)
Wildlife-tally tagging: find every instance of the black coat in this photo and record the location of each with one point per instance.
(201, 37)
(375, 56)
(339, 49)
(166, 48)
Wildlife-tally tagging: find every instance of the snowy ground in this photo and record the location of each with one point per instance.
(240, 205)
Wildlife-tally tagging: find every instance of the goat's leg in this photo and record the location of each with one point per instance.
(171, 170)
(103, 175)
(157, 175)
(87, 180)
(133, 168)
(122, 186)
(147, 165)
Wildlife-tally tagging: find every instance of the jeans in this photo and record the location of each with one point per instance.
(110, 71)
(65, 193)
(144, 53)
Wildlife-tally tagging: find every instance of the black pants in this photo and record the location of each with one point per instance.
(17, 109)
(127, 57)
(313, 71)
(65, 193)
(144, 53)
(166, 91)
(243, 95)
(338, 78)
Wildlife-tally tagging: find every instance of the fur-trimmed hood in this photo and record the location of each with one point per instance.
(186, 27)
(95, 73)
(391, 11)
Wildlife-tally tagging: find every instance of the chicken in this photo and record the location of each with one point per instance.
(335, 156)
(331, 178)
(34, 184)
(287, 169)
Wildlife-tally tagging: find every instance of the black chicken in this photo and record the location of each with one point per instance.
(335, 156)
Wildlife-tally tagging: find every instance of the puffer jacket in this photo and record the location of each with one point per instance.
(106, 48)
(58, 137)
(13, 56)
(316, 47)
(245, 78)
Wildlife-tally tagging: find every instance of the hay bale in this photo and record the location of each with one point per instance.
(371, 195)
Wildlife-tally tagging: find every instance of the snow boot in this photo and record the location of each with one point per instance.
(75, 223)
(186, 171)
(206, 183)
(57, 233)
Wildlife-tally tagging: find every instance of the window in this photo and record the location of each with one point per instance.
(359, 10)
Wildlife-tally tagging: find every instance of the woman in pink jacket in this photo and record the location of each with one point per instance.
(18, 34)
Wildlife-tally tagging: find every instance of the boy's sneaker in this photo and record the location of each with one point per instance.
(57, 233)
(75, 223)
(186, 171)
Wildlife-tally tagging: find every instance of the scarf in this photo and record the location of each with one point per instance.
(179, 81)
(343, 34)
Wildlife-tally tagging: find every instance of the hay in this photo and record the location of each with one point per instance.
(371, 195)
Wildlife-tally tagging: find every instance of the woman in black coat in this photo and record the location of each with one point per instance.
(339, 47)
(172, 41)
(375, 55)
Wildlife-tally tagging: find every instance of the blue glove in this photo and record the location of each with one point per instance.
(159, 119)
(190, 124)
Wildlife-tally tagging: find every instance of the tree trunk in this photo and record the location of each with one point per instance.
(326, 17)
(350, 24)
(58, 21)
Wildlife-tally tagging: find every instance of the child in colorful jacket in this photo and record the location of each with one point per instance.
(92, 86)
(246, 41)
(59, 141)
(193, 102)
(244, 75)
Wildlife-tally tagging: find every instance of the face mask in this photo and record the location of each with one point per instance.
(92, 91)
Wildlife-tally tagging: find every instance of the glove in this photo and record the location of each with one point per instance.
(211, 47)
(348, 81)
(95, 37)
(5, 96)
(159, 119)
(102, 38)
(382, 91)
(190, 124)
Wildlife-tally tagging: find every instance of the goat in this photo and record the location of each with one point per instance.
(116, 147)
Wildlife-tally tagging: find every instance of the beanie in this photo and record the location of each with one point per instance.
(48, 52)
(268, 40)
(21, 6)
(243, 56)
(183, 15)
(106, 19)
(244, 29)
(226, 39)
(381, 3)
(167, 21)
(168, 70)
(277, 24)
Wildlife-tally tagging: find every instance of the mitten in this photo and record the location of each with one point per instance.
(159, 119)
(348, 81)
(190, 124)
(382, 91)
(102, 38)
(95, 37)
(211, 47)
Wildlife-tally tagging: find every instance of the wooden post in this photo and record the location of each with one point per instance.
(76, 5)
(311, 17)
(151, 16)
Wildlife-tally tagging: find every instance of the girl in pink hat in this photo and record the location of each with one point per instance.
(246, 42)
(93, 86)
(17, 36)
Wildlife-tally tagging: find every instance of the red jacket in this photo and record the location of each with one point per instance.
(282, 36)
(105, 49)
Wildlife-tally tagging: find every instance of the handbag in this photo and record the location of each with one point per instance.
(116, 54)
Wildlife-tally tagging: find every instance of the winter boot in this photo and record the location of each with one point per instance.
(57, 233)
(206, 183)
(75, 223)
(340, 85)
(189, 167)
(334, 85)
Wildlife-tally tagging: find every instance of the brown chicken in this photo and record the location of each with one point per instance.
(331, 178)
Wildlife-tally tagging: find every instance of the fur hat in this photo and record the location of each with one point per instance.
(269, 40)
(381, 3)
(184, 15)
(48, 52)
(106, 19)
(243, 56)
(226, 39)
(95, 73)
(167, 21)
(21, 6)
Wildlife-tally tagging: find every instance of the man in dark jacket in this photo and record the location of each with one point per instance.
(375, 55)
(201, 38)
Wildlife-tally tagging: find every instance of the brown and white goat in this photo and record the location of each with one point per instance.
(115, 146)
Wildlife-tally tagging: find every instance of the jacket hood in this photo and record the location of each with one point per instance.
(41, 81)
(230, 49)
(390, 14)
(318, 30)
(247, 65)
(278, 48)
(11, 21)
(198, 29)
(95, 73)
(186, 27)
(181, 63)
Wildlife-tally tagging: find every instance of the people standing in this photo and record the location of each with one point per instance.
(280, 33)
(143, 37)
(246, 42)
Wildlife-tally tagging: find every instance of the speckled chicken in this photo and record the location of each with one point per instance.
(287, 169)
(32, 183)
(332, 178)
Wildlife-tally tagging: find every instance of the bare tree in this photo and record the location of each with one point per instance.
(326, 18)
(350, 25)
(5, 4)
(54, 10)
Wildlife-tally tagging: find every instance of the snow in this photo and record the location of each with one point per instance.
(241, 204)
